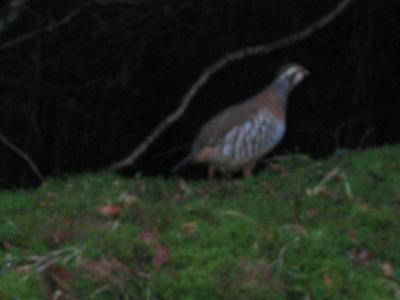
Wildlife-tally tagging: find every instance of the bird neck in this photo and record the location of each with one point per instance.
(282, 89)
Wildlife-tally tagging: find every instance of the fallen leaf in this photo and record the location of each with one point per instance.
(24, 268)
(299, 229)
(352, 234)
(312, 212)
(60, 274)
(150, 237)
(256, 245)
(364, 207)
(56, 231)
(161, 257)
(361, 257)
(8, 245)
(56, 236)
(140, 187)
(387, 269)
(189, 228)
(207, 189)
(329, 193)
(282, 170)
(142, 274)
(184, 187)
(108, 269)
(254, 273)
(111, 210)
(178, 198)
(269, 233)
(129, 198)
(362, 204)
(51, 195)
(67, 222)
(117, 183)
(395, 287)
(56, 282)
(328, 281)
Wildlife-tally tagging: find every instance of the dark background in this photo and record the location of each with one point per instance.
(83, 94)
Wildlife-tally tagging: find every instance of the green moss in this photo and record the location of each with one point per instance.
(20, 286)
(288, 235)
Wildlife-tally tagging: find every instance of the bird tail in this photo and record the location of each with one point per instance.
(182, 163)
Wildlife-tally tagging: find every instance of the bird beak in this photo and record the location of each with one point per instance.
(306, 72)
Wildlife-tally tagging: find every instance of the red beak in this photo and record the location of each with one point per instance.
(306, 72)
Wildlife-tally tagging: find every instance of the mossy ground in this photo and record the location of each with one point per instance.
(283, 234)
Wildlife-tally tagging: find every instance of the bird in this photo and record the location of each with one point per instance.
(236, 138)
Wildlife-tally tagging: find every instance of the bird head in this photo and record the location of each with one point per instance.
(291, 75)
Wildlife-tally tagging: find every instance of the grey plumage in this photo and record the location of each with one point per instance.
(243, 133)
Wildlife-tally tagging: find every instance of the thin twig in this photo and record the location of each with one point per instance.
(322, 184)
(15, 7)
(219, 65)
(347, 187)
(279, 261)
(48, 28)
(53, 25)
(364, 137)
(99, 291)
(23, 155)
(63, 255)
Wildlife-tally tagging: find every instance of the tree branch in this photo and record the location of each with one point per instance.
(53, 25)
(23, 155)
(13, 14)
(48, 28)
(219, 65)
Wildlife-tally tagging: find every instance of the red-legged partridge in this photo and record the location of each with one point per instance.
(236, 138)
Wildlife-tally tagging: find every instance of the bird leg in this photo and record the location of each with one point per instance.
(247, 170)
(211, 173)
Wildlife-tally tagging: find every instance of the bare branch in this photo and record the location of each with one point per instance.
(49, 28)
(219, 65)
(53, 25)
(23, 155)
(13, 14)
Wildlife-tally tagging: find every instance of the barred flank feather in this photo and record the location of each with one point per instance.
(236, 138)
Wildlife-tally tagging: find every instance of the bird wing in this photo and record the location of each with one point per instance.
(215, 130)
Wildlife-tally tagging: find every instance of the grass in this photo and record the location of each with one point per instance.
(283, 234)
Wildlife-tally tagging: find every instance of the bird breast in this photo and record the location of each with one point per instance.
(247, 142)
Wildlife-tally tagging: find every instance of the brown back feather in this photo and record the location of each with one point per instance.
(213, 132)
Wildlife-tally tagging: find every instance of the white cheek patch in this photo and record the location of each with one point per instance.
(298, 77)
(290, 71)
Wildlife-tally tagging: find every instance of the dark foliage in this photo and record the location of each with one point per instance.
(87, 90)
